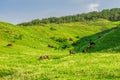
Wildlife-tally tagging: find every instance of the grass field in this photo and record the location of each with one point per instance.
(20, 61)
(104, 66)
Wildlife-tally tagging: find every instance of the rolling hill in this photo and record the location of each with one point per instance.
(21, 46)
(105, 41)
(110, 42)
(57, 35)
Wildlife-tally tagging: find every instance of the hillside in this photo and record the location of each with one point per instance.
(58, 35)
(106, 41)
(110, 42)
(21, 47)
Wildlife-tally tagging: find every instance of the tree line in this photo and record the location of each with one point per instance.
(109, 14)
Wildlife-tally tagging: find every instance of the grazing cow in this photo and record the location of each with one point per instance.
(70, 39)
(50, 46)
(9, 44)
(43, 57)
(115, 27)
(92, 43)
(72, 52)
(84, 51)
(90, 46)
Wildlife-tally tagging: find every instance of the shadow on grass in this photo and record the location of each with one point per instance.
(102, 41)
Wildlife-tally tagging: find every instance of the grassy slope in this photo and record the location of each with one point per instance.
(39, 36)
(110, 42)
(20, 62)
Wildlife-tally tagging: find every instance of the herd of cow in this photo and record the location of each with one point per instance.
(71, 52)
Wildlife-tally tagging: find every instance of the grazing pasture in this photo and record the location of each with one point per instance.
(43, 52)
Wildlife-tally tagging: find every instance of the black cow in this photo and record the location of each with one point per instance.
(9, 44)
(84, 51)
(92, 43)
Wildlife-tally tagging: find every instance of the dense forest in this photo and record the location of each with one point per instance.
(109, 14)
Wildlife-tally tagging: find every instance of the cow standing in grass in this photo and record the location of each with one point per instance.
(91, 43)
(9, 45)
(43, 57)
(50, 46)
(72, 52)
(84, 51)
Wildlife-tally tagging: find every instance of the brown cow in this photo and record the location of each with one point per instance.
(9, 44)
(70, 39)
(90, 47)
(72, 52)
(50, 46)
(43, 57)
(115, 27)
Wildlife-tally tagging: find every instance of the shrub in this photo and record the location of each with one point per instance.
(52, 29)
(61, 40)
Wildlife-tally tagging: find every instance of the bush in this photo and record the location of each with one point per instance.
(61, 40)
(63, 43)
(52, 29)
(77, 37)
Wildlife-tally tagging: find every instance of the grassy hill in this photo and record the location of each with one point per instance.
(20, 61)
(40, 36)
(110, 42)
(105, 41)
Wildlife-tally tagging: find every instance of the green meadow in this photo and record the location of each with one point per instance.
(21, 47)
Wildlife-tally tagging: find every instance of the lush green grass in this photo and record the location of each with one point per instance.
(40, 36)
(20, 61)
(103, 66)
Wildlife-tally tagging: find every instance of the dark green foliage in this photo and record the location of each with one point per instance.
(75, 43)
(60, 39)
(110, 42)
(65, 45)
(52, 29)
(25, 24)
(106, 41)
(85, 41)
(77, 37)
(62, 42)
(109, 14)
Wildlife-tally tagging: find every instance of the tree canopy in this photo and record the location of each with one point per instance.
(109, 14)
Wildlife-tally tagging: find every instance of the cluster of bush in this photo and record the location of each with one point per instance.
(64, 43)
(13, 36)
